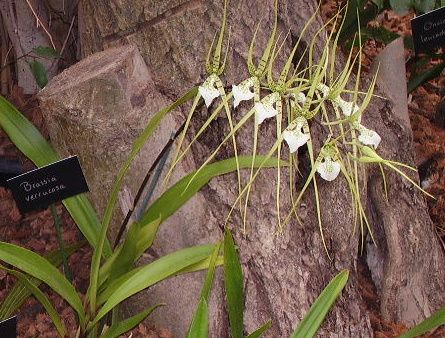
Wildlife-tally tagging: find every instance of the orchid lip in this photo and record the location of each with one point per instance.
(328, 169)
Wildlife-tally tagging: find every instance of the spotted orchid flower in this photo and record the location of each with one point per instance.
(294, 136)
(208, 90)
(242, 92)
(367, 136)
(347, 108)
(265, 108)
(328, 168)
(324, 90)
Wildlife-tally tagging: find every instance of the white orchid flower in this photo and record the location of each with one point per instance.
(294, 136)
(324, 90)
(328, 169)
(208, 90)
(368, 136)
(347, 108)
(242, 91)
(300, 98)
(265, 109)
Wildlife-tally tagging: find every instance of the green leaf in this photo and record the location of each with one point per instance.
(108, 214)
(423, 6)
(183, 190)
(39, 72)
(39, 267)
(427, 75)
(379, 34)
(401, 7)
(432, 322)
(46, 52)
(19, 293)
(33, 145)
(109, 289)
(208, 283)
(153, 273)
(233, 282)
(350, 23)
(40, 296)
(261, 330)
(127, 255)
(311, 322)
(199, 327)
(126, 325)
(380, 4)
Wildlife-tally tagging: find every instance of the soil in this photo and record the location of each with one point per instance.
(36, 231)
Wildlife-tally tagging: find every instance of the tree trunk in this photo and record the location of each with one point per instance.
(283, 273)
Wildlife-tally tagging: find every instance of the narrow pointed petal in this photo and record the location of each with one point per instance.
(328, 169)
(369, 137)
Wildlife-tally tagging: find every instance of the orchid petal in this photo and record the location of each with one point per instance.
(208, 90)
(301, 98)
(368, 136)
(265, 109)
(347, 108)
(242, 91)
(323, 89)
(294, 136)
(328, 169)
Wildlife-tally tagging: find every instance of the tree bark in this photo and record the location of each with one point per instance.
(283, 273)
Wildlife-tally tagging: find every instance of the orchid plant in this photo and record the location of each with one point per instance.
(298, 98)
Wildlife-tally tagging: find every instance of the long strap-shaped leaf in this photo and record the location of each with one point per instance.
(435, 320)
(154, 272)
(126, 325)
(39, 267)
(183, 190)
(40, 296)
(261, 330)
(233, 283)
(19, 293)
(137, 146)
(33, 145)
(311, 322)
(199, 327)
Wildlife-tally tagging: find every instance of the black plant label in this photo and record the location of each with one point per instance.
(8, 328)
(41, 187)
(429, 31)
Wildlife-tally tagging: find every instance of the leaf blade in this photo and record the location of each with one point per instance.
(40, 268)
(313, 319)
(126, 325)
(152, 273)
(233, 283)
